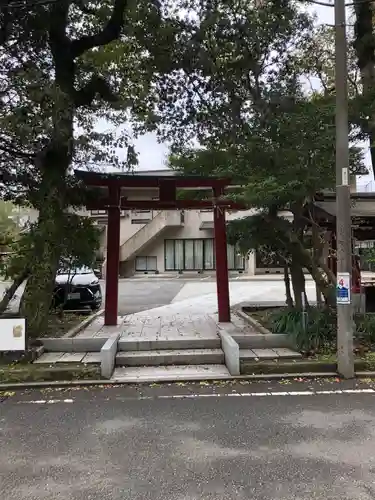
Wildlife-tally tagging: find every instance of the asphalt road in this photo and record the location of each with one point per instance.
(134, 295)
(112, 444)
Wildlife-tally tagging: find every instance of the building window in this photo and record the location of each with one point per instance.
(148, 263)
(197, 255)
(141, 216)
(209, 254)
(140, 221)
(98, 212)
(236, 261)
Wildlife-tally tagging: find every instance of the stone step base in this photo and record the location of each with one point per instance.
(261, 341)
(170, 357)
(151, 374)
(269, 354)
(50, 358)
(144, 344)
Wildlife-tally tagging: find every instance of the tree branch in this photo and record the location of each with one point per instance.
(96, 86)
(110, 32)
(58, 22)
(84, 8)
(9, 148)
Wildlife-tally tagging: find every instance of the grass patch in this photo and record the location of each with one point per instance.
(317, 331)
(39, 373)
(58, 326)
(320, 363)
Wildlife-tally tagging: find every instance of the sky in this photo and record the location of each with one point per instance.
(152, 155)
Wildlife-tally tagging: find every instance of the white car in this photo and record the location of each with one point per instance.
(77, 288)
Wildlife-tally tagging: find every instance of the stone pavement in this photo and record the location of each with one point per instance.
(169, 326)
(192, 313)
(203, 294)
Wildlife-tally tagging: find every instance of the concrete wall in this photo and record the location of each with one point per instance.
(148, 232)
(190, 229)
(193, 220)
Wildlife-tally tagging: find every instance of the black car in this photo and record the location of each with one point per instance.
(77, 288)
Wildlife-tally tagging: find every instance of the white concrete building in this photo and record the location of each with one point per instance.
(176, 241)
(172, 241)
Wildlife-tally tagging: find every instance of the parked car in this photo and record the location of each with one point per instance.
(98, 273)
(77, 288)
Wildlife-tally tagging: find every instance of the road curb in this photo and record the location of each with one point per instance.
(253, 322)
(86, 322)
(88, 383)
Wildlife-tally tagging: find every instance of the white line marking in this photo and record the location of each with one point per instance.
(214, 395)
(47, 401)
(301, 393)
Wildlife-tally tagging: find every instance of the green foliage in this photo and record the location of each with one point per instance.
(320, 327)
(249, 233)
(365, 326)
(66, 65)
(368, 255)
(79, 245)
(9, 228)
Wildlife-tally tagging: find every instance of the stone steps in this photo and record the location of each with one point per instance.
(164, 343)
(170, 357)
(268, 354)
(51, 358)
(173, 373)
(262, 341)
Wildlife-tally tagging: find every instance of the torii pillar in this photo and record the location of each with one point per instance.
(113, 257)
(222, 277)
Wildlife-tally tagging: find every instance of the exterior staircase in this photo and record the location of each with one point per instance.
(164, 359)
(162, 221)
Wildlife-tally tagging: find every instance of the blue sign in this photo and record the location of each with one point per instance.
(343, 288)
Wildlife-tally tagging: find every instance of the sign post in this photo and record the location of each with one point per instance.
(343, 292)
(12, 334)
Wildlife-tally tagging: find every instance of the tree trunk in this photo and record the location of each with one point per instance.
(316, 257)
(288, 293)
(305, 259)
(37, 297)
(298, 284)
(327, 289)
(9, 292)
(365, 51)
(51, 200)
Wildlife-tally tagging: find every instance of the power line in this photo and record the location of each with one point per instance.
(26, 4)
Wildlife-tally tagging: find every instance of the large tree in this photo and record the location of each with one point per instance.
(264, 130)
(65, 65)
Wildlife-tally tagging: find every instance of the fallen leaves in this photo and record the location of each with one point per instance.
(7, 394)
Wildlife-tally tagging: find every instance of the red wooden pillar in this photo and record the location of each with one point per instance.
(222, 279)
(113, 257)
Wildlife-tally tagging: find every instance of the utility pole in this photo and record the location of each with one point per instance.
(345, 360)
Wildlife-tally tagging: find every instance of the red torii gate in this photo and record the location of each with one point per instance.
(114, 202)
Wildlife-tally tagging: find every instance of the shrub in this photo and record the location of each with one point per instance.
(365, 326)
(320, 327)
